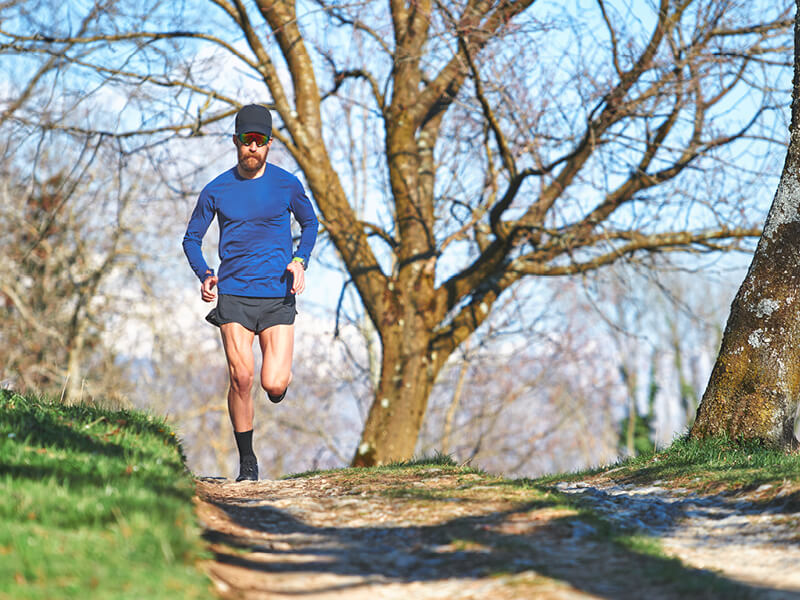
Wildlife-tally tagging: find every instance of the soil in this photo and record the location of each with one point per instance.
(433, 532)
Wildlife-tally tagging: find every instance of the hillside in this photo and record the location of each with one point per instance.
(96, 504)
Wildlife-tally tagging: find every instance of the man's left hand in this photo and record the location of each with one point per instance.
(298, 276)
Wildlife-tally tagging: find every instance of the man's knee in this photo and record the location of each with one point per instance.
(241, 380)
(275, 384)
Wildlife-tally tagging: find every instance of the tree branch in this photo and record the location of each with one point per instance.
(468, 318)
(477, 26)
(265, 66)
(339, 77)
(536, 263)
(305, 124)
(356, 24)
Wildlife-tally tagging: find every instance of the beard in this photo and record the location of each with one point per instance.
(251, 163)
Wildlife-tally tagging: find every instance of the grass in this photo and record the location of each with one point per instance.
(719, 460)
(713, 465)
(96, 503)
(416, 464)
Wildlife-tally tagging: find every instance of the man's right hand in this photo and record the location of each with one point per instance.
(207, 289)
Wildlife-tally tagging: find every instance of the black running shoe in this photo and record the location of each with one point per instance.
(248, 469)
(276, 399)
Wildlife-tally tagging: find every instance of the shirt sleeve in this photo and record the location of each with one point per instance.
(303, 211)
(202, 216)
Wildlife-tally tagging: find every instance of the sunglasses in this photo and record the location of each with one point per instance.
(248, 138)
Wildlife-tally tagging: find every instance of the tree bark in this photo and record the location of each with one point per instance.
(395, 417)
(753, 390)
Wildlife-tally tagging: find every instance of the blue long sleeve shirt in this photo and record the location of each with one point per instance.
(255, 236)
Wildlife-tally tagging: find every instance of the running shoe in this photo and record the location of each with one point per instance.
(276, 399)
(248, 469)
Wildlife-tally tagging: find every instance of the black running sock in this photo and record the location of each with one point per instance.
(244, 440)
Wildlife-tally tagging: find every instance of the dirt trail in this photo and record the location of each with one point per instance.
(426, 534)
(737, 535)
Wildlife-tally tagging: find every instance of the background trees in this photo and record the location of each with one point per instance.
(454, 149)
(66, 248)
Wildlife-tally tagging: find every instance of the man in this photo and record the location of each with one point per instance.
(258, 273)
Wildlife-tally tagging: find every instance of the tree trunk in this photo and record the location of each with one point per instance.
(73, 383)
(395, 417)
(753, 390)
(633, 411)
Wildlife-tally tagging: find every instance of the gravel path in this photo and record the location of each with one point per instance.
(439, 535)
(745, 540)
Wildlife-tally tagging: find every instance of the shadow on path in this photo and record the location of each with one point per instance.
(526, 541)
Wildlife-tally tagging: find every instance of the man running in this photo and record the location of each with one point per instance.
(258, 273)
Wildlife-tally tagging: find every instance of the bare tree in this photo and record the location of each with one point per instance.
(754, 388)
(509, 405)
(664, 327)
(596, 147)
(65, 246)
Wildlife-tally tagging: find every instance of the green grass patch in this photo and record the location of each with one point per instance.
(96, 503)
(437, 463)
(713, 464)
(436, 459)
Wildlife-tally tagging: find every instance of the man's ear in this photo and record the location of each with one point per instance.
(233, 137)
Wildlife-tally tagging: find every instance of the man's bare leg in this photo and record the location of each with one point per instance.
(238, 343)
(277, 346)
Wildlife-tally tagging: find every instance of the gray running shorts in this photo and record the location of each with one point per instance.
(254, 313)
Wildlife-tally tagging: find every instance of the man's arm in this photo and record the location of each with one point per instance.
(301, 207)
(303, 211)
(201, 218)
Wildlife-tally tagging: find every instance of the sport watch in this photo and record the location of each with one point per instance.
(301, 260)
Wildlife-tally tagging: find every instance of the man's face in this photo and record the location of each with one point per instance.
(251, 157)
